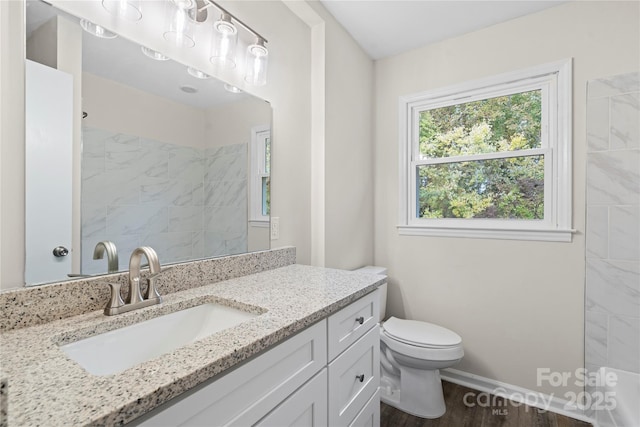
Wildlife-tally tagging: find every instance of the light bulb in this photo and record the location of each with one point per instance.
(257, 62)
(180, 22)
(127, 9)
(223, 44)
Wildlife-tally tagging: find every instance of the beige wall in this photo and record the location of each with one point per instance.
(517, 305)
(11, 144)
(41, 46)
(348, 149)
(120, 108)
(232, 123)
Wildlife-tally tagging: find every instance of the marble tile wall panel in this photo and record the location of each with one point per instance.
(612, 326)
(596, 345)
(598, 128)
(613, 286)
(624, 232)
(598, 232)
(141, 191)
(614, 85)
(176, 246)
(625, 122)
(613, 177)
(624, 343)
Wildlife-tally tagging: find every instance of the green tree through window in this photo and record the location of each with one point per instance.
(505, 188)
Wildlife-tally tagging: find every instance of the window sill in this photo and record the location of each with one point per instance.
(544, 235)
(259, 223)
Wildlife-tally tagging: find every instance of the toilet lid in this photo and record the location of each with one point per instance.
(420, 334)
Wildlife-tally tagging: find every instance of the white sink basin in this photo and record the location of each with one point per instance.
(114, 351)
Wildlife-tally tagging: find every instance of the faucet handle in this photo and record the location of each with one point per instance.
(152, 291)
(115, 302)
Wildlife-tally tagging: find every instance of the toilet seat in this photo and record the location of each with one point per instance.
(421, 334)
(413, 338)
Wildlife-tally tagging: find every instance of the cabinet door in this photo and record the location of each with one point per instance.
(354, 377)
(306, 407)
(370, 414)
(248, 393)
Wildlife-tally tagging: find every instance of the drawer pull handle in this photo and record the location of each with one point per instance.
(360, 320)
(360, 377)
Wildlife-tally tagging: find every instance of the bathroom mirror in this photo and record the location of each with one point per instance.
(162, 157)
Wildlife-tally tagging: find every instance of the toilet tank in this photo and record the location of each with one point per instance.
(371, 269)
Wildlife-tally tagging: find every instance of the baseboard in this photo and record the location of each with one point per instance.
(515, 393)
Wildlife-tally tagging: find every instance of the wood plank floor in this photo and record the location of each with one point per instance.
(501, 414)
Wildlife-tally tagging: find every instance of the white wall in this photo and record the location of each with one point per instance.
(348, 149)
(517, 305)
(232, 123)
(140, 113)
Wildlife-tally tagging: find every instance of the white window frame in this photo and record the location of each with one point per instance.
(555, 82)
(256, 173)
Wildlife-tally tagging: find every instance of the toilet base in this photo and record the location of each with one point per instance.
(422, 397)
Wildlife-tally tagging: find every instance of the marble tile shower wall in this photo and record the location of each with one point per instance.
(184, 202)
(613, 223)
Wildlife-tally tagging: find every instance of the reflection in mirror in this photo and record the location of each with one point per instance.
(165, 158)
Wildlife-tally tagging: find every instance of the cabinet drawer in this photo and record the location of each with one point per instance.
(247, 394)
(370, 414)
(306, 407)
(345, 326)
(354, 377)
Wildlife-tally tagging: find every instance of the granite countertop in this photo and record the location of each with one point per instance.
(47, 388)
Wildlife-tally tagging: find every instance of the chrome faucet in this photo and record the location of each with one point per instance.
(135, 299)
(112, 254)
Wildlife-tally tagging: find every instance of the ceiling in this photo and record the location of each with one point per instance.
(388, 27)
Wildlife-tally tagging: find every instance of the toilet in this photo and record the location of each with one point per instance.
(411, 354)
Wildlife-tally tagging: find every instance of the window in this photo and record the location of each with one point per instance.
(260, 175)
(489, 158)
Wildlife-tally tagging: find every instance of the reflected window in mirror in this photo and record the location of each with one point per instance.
(260, 174)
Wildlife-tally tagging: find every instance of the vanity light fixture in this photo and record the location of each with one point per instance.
(197, 73)
(232, 89)
(182, 19)
(127, 9)
(223, 43)
(257, 55)
(96, 30)
(257, 61)
(153, 54)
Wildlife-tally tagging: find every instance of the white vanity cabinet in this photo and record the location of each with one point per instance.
(354, 363)
(326, 375)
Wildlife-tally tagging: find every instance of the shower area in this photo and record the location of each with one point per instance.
(612, 303)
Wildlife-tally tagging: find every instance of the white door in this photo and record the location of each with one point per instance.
(48, 172)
